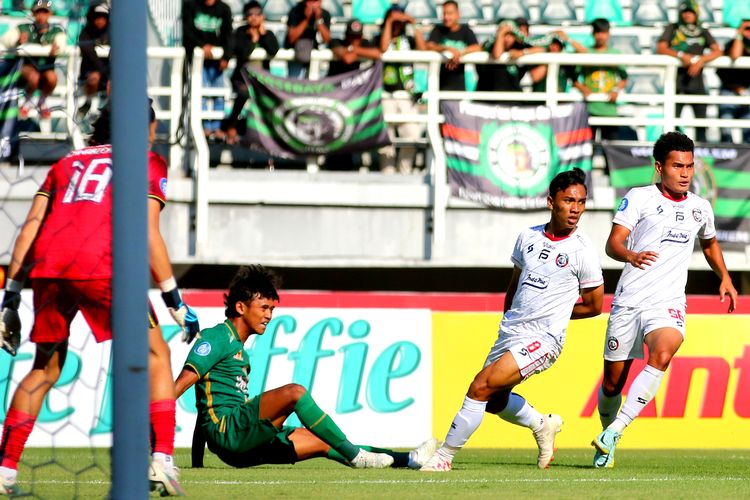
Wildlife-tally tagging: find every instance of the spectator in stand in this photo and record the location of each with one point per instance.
(688, 41)
(348, 52)
(244, 40)
(306, 20)
(94, 69)
(456, 39)
(509, 38)
(735, 82)
(38, 73)
(607, 80)
(399, 77)
(565, 74)
(207, 24)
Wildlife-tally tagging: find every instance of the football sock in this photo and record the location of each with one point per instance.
(400, 458)
(520, 412)
(162, 415)
(464, 424)
(323, 426)
(18, 426)
(642, 390)
(608, 407)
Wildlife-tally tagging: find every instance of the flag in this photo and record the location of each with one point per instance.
(10, 72)
(505, 157)
(295, 118)
(722, 176)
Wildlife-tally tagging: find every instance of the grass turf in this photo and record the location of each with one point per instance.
(84, 473)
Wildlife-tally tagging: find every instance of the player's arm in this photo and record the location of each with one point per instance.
(591, 303)
(185, 381)
(161, 270)
(715, 259)
(618, 250)
(512, 287)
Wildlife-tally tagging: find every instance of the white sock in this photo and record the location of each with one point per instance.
(608, 407)
(167, 460)
(8, 473)
(641, 392)
(464, 424)
(520, 412)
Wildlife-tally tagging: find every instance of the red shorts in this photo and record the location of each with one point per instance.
(56, 302)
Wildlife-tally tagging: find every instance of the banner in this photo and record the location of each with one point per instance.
(10, 72)
(296, 118)
(505, 157)
(722, 176)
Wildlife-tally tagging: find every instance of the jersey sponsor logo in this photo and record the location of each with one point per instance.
(697, 215)
(163, 185)
(203, 349)
(562, 260)
(676, 236)
(612, 344)
(536, 281)
(623, 205)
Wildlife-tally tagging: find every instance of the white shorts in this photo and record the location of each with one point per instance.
(533, 354)
(628, 326)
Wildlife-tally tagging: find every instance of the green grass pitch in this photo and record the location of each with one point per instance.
(477, 473)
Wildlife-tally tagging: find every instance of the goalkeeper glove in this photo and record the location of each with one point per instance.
(10, 322)
(182, 314)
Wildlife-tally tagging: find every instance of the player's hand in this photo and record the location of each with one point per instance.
(183, 314)
(727, 288)
(643, 259)
(10, 330)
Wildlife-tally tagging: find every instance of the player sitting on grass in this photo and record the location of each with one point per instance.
(555, 264)
(244, 431)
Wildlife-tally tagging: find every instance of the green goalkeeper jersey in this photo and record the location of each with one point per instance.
(219, 358)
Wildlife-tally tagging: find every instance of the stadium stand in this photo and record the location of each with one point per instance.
(370, 11)
(734, 12)
(649, 13)
(511, 9)
(606, 9)
(557, 12)
(423, 10)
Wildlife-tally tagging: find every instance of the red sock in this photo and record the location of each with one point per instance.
(18, 426)
(163, 425)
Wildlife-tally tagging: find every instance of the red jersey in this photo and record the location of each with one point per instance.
(75, 240)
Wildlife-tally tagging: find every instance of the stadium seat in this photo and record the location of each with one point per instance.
(557, 12)
(626, 44)
(335, 8)
(735, 11)
(275, 10)
(421, 10)
(707, 12)
(644, 84)
(370, 11)
(511, 9)
(649, 13)
(611, 10)
(470, 10)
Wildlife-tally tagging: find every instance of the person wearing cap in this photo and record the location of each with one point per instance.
(348, 52)
(455, 39)
(399, 77)
(94, 73)
(38, 73)
(244, 40)
(207, 24)
(688, 41)
(305, 21)
(735, 82)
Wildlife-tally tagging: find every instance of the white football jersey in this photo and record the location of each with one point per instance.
(665, 226)
(552, 274)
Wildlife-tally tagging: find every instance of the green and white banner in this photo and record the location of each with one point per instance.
(722, 176)
(296, 118)
(505, 157)
(10, 72)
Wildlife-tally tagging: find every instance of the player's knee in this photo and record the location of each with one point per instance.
(611, 388)
(660, 359)
(294, 391)
(479, 390)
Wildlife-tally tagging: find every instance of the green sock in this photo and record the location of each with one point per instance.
(323, 426)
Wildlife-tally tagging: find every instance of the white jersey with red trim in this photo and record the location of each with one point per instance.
(668, 227)
(553, 271)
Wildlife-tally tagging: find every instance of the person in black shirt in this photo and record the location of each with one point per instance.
(348, 52)
(94, 69)
(735, 82)
(688, 41)
(457, 39)
(244, 40)
(305, 21)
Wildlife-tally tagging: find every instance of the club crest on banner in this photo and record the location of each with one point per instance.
(518, 155)
(314, 121)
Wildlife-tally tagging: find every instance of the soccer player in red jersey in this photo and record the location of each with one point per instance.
(66, 242)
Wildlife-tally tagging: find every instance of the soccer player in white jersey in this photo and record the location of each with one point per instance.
(555, 264)
(653, 233)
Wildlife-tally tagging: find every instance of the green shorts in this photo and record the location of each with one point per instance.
(242, 439)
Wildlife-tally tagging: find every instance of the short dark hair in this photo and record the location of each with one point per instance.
(451, 2)
(252, 4)
(250, 282)
(103, 128)
(672, 141)
(599, 25)
(564, 180)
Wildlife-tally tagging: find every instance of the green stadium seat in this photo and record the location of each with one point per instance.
(649, 13)
(470, 10)
(370, 11)
(511, 9)
(557, 12)
(275, 10)
(611, 10)
(626, 44)
(735, 12)
(334, 7)
(707, 12)
(421, 10)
